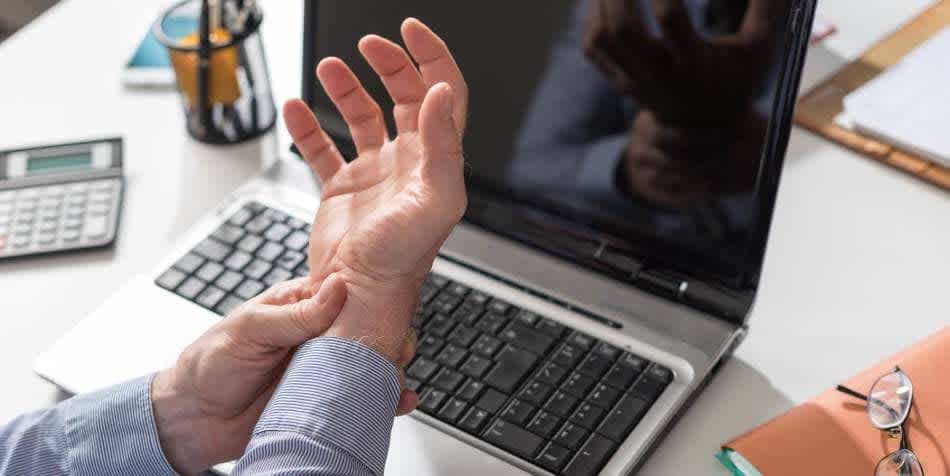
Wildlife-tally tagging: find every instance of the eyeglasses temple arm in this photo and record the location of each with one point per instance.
(853, 393)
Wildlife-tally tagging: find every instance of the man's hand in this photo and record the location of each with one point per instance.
(206, 406)
(384, 216)
(684, 77)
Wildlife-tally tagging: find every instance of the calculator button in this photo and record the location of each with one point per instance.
(171, 279)
(100, 197)
(29, 193)
(48, 226)
(210, 297)
(74, 211)
(78, 187)
(6, 197)
(70, 235)
(72, 224)
(99, 210)
(191, 288)
(6, 208)
(76, 200)
(21, 241)
(23, 230)
(46, 239)
(54, 190)
(102, 186)
(95, 227)
(25, 218)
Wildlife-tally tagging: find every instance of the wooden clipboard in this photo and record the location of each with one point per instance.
(818, 108)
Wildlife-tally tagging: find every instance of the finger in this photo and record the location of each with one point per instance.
(286, 292)
(675, 21)
(408, 401)
(440, 136)
(399, 76)
(293, 324)
(437, 65)
(313, 143)
(361, 113)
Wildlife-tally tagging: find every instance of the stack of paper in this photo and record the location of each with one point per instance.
(909, 104)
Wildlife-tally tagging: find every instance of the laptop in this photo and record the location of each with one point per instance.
(607, 263)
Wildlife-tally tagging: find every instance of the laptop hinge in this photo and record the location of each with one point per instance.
(694, 293)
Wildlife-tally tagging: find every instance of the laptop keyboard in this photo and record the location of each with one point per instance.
(553, 396)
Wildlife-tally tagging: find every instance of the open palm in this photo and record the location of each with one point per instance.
(384, 216)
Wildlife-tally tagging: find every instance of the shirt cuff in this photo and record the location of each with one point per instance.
(113, 432)
(597, 176)
(340, 393)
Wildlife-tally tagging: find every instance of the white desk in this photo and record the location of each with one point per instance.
(857, 265)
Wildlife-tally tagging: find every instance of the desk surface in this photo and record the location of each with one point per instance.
(856, 267)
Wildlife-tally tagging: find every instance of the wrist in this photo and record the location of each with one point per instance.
(176, 418)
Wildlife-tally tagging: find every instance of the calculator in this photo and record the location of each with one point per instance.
(60, 198)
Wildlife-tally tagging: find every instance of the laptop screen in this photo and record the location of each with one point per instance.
(636, 129)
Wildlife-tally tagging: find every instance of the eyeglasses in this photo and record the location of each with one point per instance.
(888, 405)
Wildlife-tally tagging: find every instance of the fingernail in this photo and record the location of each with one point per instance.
(323, 295)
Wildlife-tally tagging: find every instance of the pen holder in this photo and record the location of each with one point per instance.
(220, 67)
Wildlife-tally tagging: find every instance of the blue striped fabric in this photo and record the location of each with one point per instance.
(331, 415)
(109, 432)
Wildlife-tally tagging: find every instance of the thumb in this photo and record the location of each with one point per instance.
(440, 137)
(293, 324)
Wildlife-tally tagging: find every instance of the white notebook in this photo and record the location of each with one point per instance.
(909, 104)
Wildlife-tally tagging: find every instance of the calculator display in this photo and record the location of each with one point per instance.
(57, 163)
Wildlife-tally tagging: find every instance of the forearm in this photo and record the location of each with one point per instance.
(331, 414)
(109, 432)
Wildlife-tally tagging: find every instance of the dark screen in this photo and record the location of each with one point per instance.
(640, 125)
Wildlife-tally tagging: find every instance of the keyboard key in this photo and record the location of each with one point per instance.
(258, 225)
(257, 269)
(474, 420)
(211, 249)
(578, 385)
(209, 271)
(277, 275)
(594, 365)
(190, 288)
(550, 328)
(647, 388)
(275, 214)
(248, 289)
(431, 400)
(427, 293)
(422, 369)
(620, 376)
(241, 217)
(413, 384)
(255, 207)
(591, 457)
(452, 410)
(477, 299)
(512, 366)
(491, 401)
(518, 412)
(660, 373)
(437, 280)
(297, 240)
(570, 436)
(552, 373)
(458, 289)
(169, 279)
(491, 323)
(526, 338)
(513, 438)
(568, 356)
(189, 263)
(633, 362)
(561, 404)
(228, 280)
(527, 318)
(499, 307)
(238, 260)
(621, 420)
(463, 335)
(603, 396)
(270, 252)
(445, 303)
(210, 297)
(544, 424)
(250, 243)
(588, 415)
(471, 390)
(607, 351)
(227, 305)
(553, 457)
(468, 314)
(229, 234)
(580, 340)
(290, 260)
(452, 356)
(475, 366)
(429, 346)
(440, 325)
(536, 393)
(297, 224)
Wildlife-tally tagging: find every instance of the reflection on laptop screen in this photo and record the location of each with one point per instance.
(643, 129)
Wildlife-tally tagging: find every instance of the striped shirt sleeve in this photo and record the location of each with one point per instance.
(109, 432)
(331, 415)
